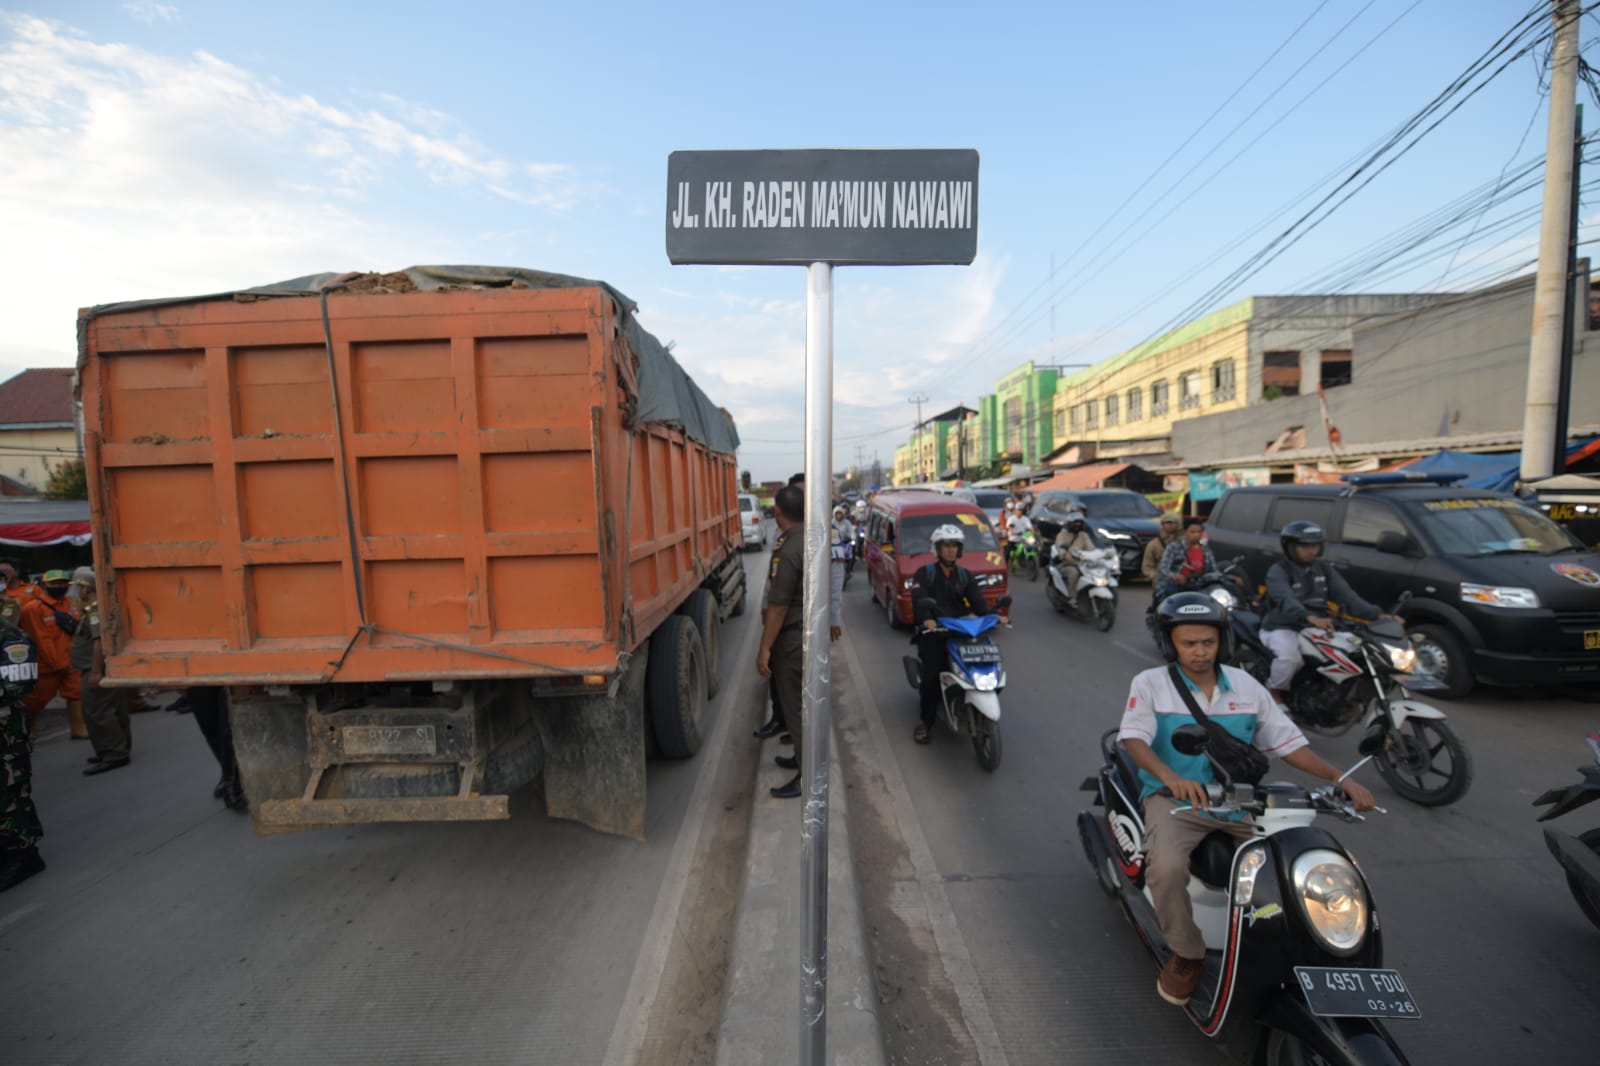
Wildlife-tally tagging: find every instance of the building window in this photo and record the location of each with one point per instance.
(1158, 398)
(1222, 381)
(1280, 374)
(1111, 409)
(1189, 390)
(1061, 424)
(1135, 403)
(1077, 417)
(1335, 367)
(1091, 415)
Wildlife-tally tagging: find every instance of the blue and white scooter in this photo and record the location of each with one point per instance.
(972, 685)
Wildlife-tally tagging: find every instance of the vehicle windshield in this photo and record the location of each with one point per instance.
(1490, 526)
(1118, 505)
(991, 501)
(916, 529)
(746, 503)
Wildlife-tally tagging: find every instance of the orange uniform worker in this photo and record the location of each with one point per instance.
(50, 619)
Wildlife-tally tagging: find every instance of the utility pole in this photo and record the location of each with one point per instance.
(919, 399)
(1577, 303)
(1552, 289)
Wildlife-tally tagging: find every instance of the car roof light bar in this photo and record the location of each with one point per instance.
(1404, 477)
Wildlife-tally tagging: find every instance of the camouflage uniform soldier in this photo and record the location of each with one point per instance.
(105, 710)
(19, 821)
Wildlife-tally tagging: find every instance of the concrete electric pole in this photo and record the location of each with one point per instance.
(1552, 289)
(919, 399)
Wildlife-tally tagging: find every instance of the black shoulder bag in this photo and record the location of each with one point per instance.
(1242, 762)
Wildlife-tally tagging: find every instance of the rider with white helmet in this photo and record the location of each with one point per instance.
(955, 592)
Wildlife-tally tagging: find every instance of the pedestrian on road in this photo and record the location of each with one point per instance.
(781, 655)
(105, 710)
(49, 620)
(20, 829)
(209, 704)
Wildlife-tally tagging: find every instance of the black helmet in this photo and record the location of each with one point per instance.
(1301, 532)
(1194, 608)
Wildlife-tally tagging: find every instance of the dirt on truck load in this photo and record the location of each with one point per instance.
(443, 531)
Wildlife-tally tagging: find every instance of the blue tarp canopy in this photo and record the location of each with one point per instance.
(1497, 473)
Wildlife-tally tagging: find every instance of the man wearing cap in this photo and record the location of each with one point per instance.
(49, 621)
(105, 710)
(1151, 566)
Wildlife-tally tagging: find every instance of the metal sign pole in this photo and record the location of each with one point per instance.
(815, 701)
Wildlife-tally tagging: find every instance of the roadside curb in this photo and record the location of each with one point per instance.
(761, 1014)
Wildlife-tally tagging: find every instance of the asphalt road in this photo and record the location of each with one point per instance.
(164, 931)
(1475, 913)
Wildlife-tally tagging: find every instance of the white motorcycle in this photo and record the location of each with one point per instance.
(1095, 598)
(1361, 674)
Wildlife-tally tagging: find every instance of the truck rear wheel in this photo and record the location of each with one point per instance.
(701, 606)
(676, 686)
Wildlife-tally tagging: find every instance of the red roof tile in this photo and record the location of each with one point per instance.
(41, 394)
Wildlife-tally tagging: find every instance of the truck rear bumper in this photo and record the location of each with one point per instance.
(289, 815)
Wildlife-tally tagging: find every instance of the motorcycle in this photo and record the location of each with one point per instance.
(1359, 672)
(1024, 555)
(1578, 855)
(1294, 955)
(973, 681)
(1096, 595)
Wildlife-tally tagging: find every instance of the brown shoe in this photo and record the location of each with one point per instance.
(1178, 978)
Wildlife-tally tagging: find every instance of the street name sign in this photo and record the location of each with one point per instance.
(844, 206)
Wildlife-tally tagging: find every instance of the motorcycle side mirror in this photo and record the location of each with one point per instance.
(1372, 741)
(1392, 542)
(1003, 601)
(1190, 739)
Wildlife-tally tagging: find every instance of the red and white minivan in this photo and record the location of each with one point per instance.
(899, 523)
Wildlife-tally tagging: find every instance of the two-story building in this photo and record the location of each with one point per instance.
(38, 429)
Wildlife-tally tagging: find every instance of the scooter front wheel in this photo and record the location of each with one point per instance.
(1426, 763)
(1033, 568)
(1588, 902)
(1105, 613)
(986, 741)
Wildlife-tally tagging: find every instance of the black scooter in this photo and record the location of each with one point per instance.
(1578, 855)
(1293, 950)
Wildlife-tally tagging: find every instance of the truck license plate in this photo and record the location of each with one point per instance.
(388, 740)
(1591, 640)
(1347, 993)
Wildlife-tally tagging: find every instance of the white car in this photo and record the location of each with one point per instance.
(755, 533)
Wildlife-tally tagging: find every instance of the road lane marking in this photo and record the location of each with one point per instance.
(941, 917)
(628, 1035)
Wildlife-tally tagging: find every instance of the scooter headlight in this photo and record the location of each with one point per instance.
(1402, 657)
(1334, 899)
(1244, 881)
(987, 681)
(1224, 597)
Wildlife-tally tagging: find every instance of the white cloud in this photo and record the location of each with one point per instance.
(126, 174)
(151, 12)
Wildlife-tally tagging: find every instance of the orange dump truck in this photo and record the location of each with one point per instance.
(442, 532)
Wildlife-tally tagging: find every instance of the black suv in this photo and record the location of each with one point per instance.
(1118, 518)
(1499, 593)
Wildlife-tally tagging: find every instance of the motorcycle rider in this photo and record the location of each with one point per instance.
(955, 592)
(1194, 631)
(1298, 589)
(1150, 565)
(842, 549)
(1016, 524)
(1074, 536)
(1186, 559)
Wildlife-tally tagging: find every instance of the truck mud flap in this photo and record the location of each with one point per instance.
(594, 754)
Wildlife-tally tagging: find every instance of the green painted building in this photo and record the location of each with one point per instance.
(1024, 426)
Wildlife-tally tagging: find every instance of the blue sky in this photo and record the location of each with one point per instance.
(167, 148)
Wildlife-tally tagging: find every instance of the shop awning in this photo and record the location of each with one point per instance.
(1082, 477)
(35, 523)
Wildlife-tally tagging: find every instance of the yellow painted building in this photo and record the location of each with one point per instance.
(1131, 400)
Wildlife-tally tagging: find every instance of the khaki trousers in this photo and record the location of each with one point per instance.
(788, 673)
(1169, 841)
(105, 713)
